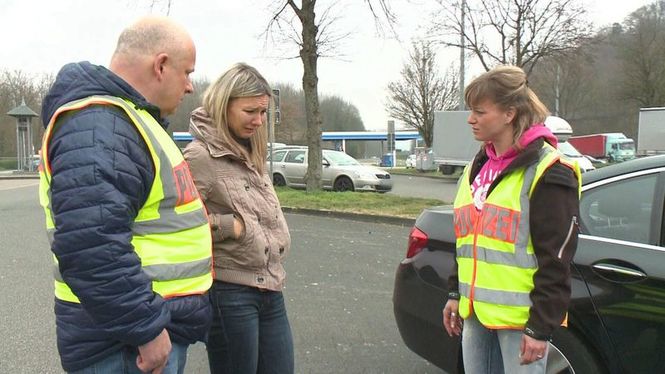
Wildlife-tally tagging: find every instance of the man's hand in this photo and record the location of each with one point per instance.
(154, 354)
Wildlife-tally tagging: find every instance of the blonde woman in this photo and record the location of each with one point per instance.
(250, 332)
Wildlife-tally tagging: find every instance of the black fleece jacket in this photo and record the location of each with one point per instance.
(553, 212)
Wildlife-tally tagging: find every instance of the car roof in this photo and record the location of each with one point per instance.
(288, 147)
(281, 147)
(642, 163)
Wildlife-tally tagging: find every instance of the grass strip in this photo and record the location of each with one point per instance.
(355, 202)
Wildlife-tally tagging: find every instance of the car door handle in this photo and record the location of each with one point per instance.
(609, 269)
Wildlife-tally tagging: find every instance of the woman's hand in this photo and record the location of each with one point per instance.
(452, 322)
(238, 228)
(532, 350)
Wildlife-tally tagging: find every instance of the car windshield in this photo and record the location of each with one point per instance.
(278, 155)
(340, 158)
(568, 150)
(626, 146)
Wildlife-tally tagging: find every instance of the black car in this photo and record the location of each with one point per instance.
(617, 313)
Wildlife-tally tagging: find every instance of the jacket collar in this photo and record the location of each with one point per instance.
(80, 80)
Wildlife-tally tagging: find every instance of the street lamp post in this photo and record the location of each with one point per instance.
(461, 57)
(274, 118)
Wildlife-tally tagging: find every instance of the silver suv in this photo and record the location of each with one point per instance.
(341, 172)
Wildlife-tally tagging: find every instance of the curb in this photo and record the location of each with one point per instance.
(19, 176)
(443, 178)
(399, 221)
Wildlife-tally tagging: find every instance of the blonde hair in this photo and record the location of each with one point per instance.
(241, 80)
(507, 87)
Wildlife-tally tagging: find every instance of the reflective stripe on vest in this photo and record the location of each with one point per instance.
(171, 234)
(495, 255)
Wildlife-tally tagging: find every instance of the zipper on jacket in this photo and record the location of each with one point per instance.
(573, 223)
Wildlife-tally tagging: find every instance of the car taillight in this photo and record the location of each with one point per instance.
(417, 241)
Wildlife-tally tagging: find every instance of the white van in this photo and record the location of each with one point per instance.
(562, 130)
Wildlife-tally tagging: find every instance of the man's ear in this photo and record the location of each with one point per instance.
(159, 64)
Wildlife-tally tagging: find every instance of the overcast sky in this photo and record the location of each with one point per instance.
(41, 36)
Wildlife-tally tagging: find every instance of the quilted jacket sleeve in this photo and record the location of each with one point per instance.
(102, 173)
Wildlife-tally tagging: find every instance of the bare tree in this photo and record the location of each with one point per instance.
(315, 39)
(642, 51)
(340, 115)
(166, 5)
(588, 86)
(337, 114)
(566, 83)
(516, 32)
(179, 121)
(421, 91)
(582, 86)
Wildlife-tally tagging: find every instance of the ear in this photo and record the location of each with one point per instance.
(158, 65)
(510, 114)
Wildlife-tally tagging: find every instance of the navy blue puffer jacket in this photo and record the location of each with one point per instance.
(102, 173)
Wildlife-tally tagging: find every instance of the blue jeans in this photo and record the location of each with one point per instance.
(488, 351)
(124, 362)
(250, 331)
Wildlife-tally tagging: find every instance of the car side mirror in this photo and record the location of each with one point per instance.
(325, 163)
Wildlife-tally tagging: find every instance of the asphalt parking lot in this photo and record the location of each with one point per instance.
(339, 289)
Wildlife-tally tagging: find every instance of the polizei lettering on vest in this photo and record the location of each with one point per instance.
(185, 187)
(500, 223)
(464, 218)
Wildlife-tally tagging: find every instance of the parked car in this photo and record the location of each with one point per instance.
(616, 320)
(595, 161)
(341, 172)
(574, 155)
(275, 145)
(34, 161)
(411, 161)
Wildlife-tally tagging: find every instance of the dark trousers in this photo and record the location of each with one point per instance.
(250, 332)
(124, 362)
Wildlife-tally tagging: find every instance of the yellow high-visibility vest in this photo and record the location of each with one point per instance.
(495, 255)
(171, 233)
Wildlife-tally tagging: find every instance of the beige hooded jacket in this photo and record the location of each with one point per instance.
(231, 188)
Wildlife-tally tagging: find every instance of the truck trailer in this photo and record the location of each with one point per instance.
(615, 147)
(651, 131)
(453, 144)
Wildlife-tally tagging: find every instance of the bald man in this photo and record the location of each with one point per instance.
(129, 233)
